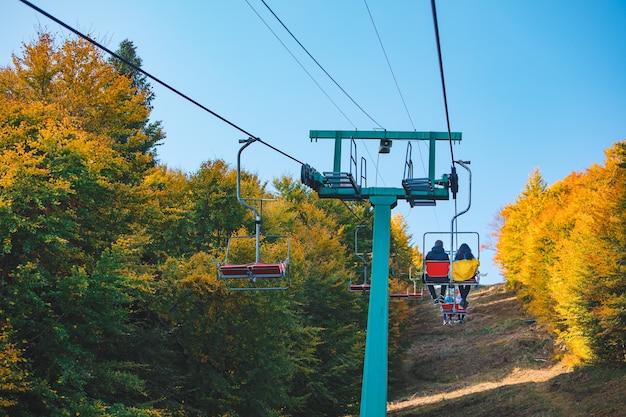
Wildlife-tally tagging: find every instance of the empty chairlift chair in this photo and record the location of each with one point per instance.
(364, 285)
(255, 275)
(344, 182)
(415, 185)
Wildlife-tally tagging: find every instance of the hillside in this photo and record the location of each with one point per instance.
(499, 363)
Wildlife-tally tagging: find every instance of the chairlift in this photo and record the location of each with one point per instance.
(255, 275)
(345, 181)
(400, 293)
(365, 285)
(437, 272)
(453, 312)
(412, 184)
(415, 293)
(408, 293)
(464, 272)
(446, 272)
(454, 273)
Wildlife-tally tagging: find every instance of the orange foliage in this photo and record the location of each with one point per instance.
(563, 249)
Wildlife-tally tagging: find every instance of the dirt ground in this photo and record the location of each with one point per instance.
(500, 362)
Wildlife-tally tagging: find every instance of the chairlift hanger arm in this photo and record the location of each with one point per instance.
(464, 164)
(246, 143)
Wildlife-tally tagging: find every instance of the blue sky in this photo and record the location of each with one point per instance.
(530, 84)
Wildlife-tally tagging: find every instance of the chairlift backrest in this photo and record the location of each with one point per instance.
(437, 269)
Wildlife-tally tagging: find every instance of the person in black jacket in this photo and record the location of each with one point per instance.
(437, 253)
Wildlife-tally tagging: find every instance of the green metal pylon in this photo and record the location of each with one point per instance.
(374, 388)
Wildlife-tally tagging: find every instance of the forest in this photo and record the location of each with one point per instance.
(562, 248)
(110, 299)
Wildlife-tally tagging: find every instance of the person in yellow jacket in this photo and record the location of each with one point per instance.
(464, 268)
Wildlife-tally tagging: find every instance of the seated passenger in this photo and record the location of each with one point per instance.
(461, 314)
(464, 268)
(437, 253)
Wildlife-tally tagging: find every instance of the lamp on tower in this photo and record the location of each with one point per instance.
(385, 146)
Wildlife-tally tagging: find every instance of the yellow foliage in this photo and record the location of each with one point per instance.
(13, 378)
(562, 248)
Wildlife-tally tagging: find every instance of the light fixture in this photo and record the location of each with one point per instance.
(385, 146)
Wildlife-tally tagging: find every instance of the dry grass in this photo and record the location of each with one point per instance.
(499, 363)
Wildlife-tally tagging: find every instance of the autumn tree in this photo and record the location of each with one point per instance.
(515, 240)
(404, 265)
(562, 249)
(111, 303)
(14, 378)
(604, 222)
(70, 126)
(153, 133)
(329, 380)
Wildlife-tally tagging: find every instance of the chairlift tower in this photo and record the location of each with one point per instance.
(351, 185)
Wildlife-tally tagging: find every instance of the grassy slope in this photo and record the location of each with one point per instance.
(499, 363)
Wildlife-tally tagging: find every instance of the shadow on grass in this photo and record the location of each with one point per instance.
(499, 363)
(591, 391)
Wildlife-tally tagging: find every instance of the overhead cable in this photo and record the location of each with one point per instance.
(443, 82)
(389, 64)
(299, 63)
(147, 74)
(320, 65)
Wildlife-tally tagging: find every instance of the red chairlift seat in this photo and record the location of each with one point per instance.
(452, 308)
(436, 272)
(253, 270)
(360, 287)
(234, 271)
(447, 307)
(415, 294)
(453, 312)
(264, 270)
(399, 295)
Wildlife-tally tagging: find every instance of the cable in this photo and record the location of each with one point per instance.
(395, 81)
(443, 82)
(389, 64)
(301, 65)
(351, 211)
(88, 39)
(285, 46)
(147, 74)
(279, 151)
(320, 66)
